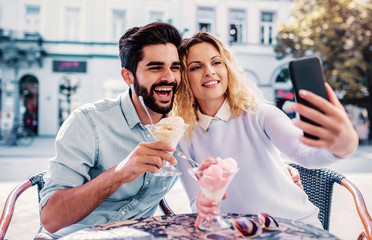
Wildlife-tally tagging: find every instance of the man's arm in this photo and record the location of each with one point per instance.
(69, 206)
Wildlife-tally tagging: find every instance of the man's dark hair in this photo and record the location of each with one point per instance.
(131, 44)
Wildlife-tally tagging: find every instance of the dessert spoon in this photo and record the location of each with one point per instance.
(191, 161)
(147, 112)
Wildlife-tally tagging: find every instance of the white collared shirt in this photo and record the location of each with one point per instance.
(224, 113)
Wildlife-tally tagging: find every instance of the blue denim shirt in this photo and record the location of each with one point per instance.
(95, 138)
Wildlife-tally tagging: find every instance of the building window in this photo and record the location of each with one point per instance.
(206, 19)
(72, 23)
(32, 19)
(118, 24)
(156, 16)
(267, 28)
(236, 20)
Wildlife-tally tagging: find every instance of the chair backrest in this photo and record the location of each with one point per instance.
(38, 180)
(318, 185)
(8, 210)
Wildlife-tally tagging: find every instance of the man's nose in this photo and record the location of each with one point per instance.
(169, 75)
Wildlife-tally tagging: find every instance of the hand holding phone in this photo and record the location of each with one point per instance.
(307, 73)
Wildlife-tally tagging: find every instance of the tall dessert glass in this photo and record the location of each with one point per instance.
(213, 182)
(169, 130)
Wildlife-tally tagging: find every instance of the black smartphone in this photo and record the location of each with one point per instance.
(307, 73)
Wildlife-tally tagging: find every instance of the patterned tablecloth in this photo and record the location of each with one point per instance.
(180, 226)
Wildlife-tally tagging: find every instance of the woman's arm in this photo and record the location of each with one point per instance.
(338, 138)
(336, 133)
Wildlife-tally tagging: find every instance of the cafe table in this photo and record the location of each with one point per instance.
(181, 226)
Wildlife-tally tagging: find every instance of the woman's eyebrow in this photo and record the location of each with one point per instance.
(193, 62)
(217, 56)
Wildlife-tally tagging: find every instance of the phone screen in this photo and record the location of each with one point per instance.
(307, 73)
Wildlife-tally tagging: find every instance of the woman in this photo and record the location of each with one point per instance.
(229, 118)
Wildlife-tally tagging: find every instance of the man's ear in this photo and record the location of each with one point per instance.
(127, 76)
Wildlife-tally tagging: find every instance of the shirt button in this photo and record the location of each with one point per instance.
(122, 212)
(148, 135)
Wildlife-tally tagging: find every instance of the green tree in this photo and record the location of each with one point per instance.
(340, 33)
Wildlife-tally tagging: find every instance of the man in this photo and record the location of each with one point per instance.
(105, 157)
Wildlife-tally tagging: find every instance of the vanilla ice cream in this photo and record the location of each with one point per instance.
(168, 130)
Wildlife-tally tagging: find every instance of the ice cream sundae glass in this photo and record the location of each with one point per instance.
(169, 130)
(213, 182)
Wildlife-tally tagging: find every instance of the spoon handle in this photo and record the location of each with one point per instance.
(191, 161)
(144, 107)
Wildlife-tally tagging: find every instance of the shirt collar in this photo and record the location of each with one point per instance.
(224, 113)
(128, 109)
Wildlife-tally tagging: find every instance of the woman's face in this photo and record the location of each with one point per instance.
(207, 74)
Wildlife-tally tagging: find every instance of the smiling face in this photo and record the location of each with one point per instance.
(158, 76)
(207, 74)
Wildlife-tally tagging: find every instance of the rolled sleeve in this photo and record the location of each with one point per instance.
(76, 155)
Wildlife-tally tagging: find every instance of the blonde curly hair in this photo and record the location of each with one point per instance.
(240, 94)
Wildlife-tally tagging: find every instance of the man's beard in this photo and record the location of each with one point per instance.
(149, 97)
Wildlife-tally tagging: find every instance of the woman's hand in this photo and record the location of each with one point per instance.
(206, 208)
(336, 133)
(295, 175)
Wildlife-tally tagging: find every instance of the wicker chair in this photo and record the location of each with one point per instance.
(37, 180)
(318, 185)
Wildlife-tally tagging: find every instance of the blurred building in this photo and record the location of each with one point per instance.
(58, 54)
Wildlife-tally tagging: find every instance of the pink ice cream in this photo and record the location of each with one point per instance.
(227, 164)
(215, 179)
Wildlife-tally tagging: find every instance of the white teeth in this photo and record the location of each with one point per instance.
(210, 83)
(162, 89)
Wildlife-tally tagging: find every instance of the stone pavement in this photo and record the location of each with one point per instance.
(17, 163)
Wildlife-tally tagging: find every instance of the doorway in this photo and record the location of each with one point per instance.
(28, 93)
(68, 96)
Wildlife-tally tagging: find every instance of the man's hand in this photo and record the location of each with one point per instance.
(146, 157)
(336, 133)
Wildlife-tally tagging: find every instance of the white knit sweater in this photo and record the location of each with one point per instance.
(263, 183)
